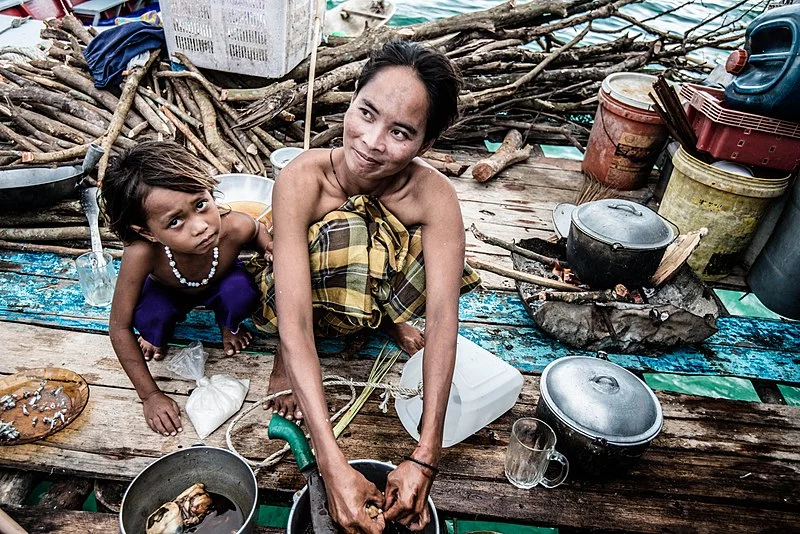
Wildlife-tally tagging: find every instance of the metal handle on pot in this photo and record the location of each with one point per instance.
(626, 207)
(673, 224)
(605, 384)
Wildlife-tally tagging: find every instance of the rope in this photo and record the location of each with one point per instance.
(390, 391)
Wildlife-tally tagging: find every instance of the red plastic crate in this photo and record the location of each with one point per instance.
(745, 138)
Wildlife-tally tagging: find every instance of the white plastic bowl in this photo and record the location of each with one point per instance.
(235, 188)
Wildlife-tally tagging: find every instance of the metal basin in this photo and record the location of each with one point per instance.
(25, 189)
(220, 470)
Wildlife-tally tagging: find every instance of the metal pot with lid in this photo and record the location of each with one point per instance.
(603, 415)
(616, 241)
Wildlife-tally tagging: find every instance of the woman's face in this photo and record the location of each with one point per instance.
(384, 127)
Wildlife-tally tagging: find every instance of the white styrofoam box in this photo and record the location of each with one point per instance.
(266, 38)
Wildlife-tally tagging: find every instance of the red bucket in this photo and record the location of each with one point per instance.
(627, 135)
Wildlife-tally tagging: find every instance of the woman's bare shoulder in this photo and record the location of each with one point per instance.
(304, 186)
(425, 180)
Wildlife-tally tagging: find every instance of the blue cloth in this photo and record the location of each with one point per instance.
(109, 53)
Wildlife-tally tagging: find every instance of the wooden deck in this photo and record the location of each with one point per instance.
(716, 464)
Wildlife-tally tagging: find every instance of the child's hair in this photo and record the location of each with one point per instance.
(132, 176)
(440, 76)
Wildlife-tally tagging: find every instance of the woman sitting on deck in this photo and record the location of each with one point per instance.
(360, 217)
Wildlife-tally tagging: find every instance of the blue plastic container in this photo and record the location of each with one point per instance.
(768, 83)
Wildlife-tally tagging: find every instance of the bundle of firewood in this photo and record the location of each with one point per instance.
(50, 110)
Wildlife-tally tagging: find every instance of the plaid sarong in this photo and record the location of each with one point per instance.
(365, 265)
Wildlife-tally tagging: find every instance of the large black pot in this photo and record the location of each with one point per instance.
(374, 471)
(604, 416)
(615, 241)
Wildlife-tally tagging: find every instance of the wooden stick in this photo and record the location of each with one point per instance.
(520, 276)
(509, 152)
(9, 526)
(21, 140)
(74, 79)
(214, 142)
(71, 24)
(185, 94)
(148, 110)
(676, 255)
(198, 144)
(147, 93)
(318, 13)
(49, 157)
(125, 101)
(619, 294)
(525, 253)
(83, 126)
(60, 233)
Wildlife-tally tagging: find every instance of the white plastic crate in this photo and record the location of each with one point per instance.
(266, 38)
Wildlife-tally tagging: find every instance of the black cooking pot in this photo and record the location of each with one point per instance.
(604, 416)
(616, 241)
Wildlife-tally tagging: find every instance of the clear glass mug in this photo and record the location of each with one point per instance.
(97, 277)
(531, 448)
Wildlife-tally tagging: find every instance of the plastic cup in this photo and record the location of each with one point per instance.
(97, 277)
(281, 157)
(531, 448)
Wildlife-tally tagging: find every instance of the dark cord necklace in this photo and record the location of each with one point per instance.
(330, 156)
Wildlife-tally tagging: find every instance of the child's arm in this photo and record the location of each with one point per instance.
(161, 413)
(252, 232)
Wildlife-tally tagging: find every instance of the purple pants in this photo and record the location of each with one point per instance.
(233, 298)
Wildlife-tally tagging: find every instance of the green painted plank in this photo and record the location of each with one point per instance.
(718, 387)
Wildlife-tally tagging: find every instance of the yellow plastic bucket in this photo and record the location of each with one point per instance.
(729, 205)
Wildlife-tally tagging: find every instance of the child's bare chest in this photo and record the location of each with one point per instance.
(193, 273)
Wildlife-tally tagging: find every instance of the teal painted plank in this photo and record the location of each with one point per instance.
(41, 264)
(751, 331)
(496, 320)
(479, 306)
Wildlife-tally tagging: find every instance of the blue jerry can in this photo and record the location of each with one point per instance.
(767, 73)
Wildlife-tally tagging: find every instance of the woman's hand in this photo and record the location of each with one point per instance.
(348, 495)
(407, 489)
(162, 414)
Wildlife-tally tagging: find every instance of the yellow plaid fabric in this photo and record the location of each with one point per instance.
(365, 265)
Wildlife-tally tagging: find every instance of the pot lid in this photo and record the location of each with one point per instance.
(623, 222)
(631, 88)
(601, 400)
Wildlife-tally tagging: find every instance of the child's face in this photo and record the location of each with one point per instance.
(186, 222)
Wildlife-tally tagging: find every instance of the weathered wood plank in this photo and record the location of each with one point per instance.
(66, 493)
(71, 522)
(16, 485)
(711, 455)
(699, 463)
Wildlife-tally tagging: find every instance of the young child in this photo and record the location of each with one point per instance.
(181, 251)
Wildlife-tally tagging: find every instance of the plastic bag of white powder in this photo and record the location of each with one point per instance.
(216, 398)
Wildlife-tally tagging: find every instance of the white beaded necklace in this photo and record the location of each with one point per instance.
(182, 279)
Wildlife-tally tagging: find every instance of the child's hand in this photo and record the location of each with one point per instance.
(264, 241)
(162, 414)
